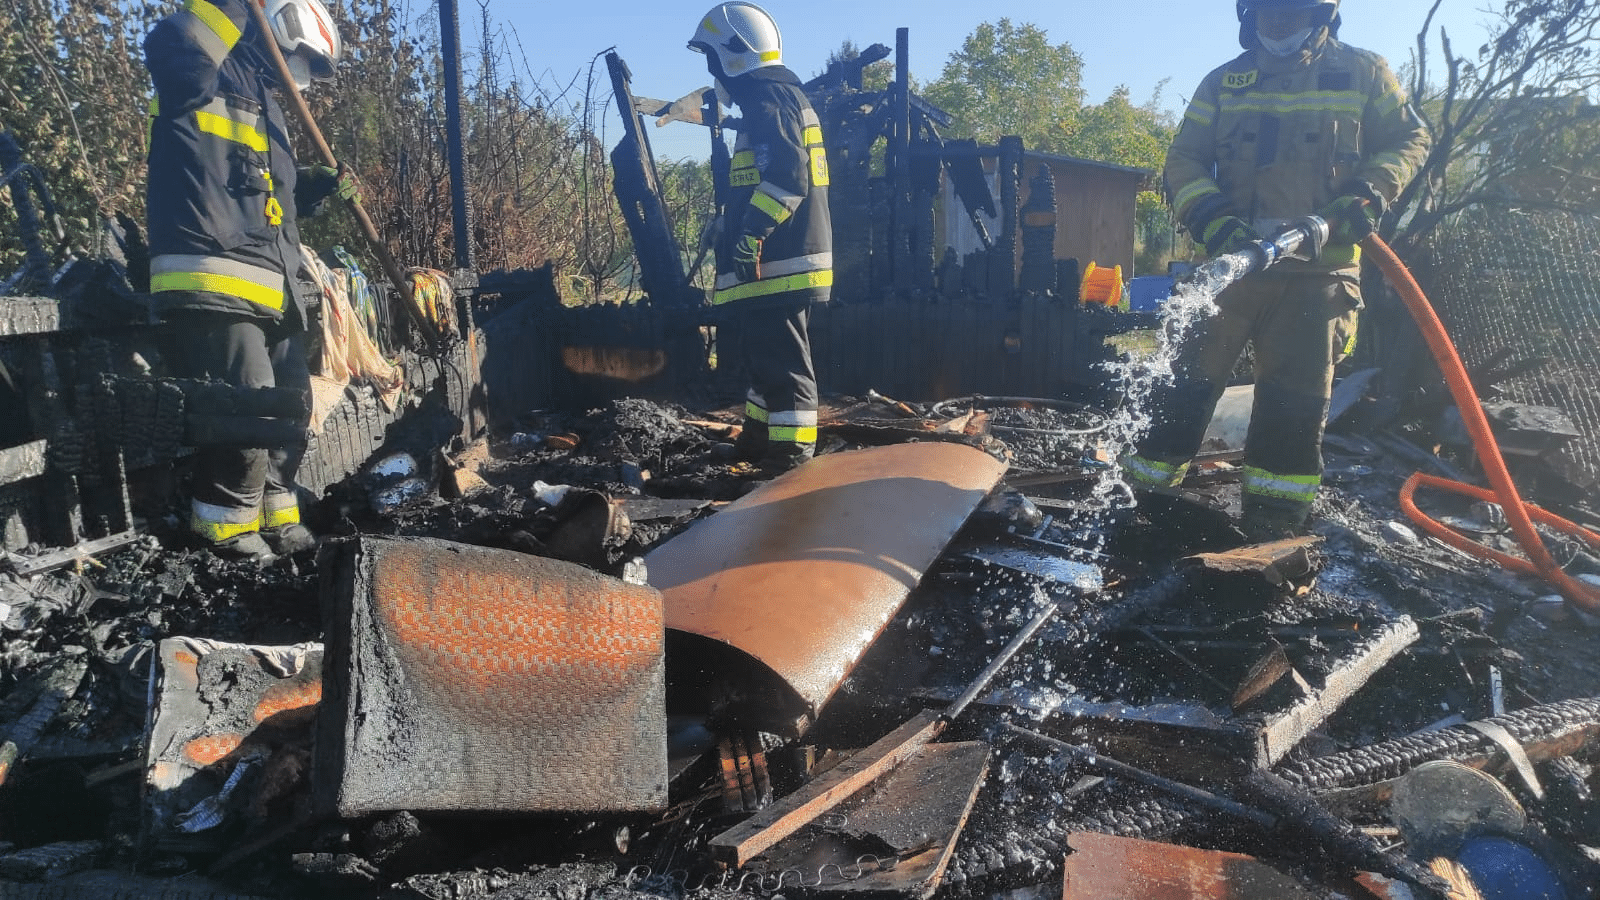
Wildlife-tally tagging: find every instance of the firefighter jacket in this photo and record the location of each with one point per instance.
(1279, 138)
(221, 205)
(778, 193)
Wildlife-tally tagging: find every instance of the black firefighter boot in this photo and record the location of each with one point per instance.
(1263, 521)
(749, 446)
(781, 456)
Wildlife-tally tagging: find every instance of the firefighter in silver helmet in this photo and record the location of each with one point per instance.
(1299, 123)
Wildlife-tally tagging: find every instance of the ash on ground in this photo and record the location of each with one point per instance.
(80, 782)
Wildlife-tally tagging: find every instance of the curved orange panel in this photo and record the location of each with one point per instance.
(804, 573)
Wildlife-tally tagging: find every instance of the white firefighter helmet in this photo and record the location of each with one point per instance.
(308, 38)
(740, 37)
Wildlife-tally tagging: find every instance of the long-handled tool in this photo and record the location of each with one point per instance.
(397, 277)
(739, 844)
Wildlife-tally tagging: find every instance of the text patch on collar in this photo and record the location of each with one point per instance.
(1238, 81)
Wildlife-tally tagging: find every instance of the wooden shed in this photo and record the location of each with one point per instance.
(1095, 205)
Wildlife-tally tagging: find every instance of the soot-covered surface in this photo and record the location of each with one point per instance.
(74, 784)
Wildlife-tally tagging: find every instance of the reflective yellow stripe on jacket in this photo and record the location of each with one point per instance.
(221, 120)
(742, 172)
(815, 149)
(769, 286)
(211, 29)
(186, 272)
(796, 274)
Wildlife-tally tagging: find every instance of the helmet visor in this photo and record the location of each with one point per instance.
(321, 66)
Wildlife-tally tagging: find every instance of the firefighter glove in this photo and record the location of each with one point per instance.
(347, 187)
(1354, 215)
(1227, 234)
(316, 183)
(747, 258)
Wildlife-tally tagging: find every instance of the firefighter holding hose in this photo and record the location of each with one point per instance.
(1299, 123)
(223, 194)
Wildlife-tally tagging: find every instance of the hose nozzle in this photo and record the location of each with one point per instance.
(1297, 239)
(1300, 239)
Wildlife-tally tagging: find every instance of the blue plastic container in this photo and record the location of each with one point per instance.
(1147, 292)
(1506, 870)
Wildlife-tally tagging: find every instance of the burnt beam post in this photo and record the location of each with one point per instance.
(900, 174)
(637, 186)
(1003, 258)
(450, 48)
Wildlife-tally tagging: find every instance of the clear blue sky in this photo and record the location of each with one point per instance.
(1134, 43)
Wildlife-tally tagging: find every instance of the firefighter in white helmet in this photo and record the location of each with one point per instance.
(1300, 123)
(775, 253)
(223, 195)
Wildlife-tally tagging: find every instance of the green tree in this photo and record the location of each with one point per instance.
(73, 94)
(1117, 131)
(1009, 79)
(687, 189)
(1513, 125)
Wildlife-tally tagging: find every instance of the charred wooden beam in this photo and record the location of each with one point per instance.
(1285, 729)
(1277, 562)
(29, 315)
(1105, 867)
(1365, 776)
(51, 689)
(1193, 739)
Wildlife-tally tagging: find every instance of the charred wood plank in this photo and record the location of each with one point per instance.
(1211, 743)
(1278, 562)
(52, 861)
(22, 462)
(51, 689)
(915, 816)
(1286, 729)
(1104, 867)
(29, 315)
(739, 844)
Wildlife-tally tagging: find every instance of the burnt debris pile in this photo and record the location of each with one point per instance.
(594, 658)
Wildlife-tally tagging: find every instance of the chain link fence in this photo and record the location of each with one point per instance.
(1528, 282)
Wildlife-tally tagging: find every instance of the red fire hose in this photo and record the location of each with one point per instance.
(1520, 515)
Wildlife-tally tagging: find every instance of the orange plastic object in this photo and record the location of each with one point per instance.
(1101, 285)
